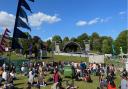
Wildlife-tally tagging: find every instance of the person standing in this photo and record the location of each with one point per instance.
(56, 76)
(56, 79)
(4, 75)
(31, 77)
(124, 82)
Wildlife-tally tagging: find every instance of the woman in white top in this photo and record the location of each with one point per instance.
(31, 77)
(5, 75)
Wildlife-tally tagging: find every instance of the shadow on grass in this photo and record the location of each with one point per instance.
(18, 88)
(18, 84)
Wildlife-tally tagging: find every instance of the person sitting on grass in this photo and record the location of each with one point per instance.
(77, 75)
(1, 72)
(1, 86)
(103, 82)
(87, 78)
(13, 74)
(28, 86)
(71, 86)
(9, 82)
(124, 72)
(41, 81)
(111, 85)
(23, 69)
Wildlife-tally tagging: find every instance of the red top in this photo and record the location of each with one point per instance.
(110, 86)
(56, 77)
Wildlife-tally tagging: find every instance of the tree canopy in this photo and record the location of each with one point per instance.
(102, 44)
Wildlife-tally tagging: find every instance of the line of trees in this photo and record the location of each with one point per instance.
(100, 44)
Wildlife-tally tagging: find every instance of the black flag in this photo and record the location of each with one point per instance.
(22, 24)
(7, 30)
(25, 4)
(32, 0)
(19, 34)
(3, 42)
(15, 44)
(23, 14)
(6, 34)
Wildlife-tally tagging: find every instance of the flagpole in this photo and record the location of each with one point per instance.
(15, 26)
(16, 21)
(17, 14)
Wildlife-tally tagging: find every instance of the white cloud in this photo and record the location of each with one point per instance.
(93, 21)
(105, 19)
(39, 18)
(81, 23)
(122, 13)
(6, 19)
(35, 20)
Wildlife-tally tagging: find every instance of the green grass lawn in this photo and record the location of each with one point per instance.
(15, 57)
(21, 83)
(70, 58)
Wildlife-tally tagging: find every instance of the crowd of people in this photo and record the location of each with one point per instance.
(8, 75)
(37, 72)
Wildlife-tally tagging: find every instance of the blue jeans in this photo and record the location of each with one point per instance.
(1, 79)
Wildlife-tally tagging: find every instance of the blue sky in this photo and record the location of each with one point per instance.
(69, 17)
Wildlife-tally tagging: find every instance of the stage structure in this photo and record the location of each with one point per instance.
(72, 47)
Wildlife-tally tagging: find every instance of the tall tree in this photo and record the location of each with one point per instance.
(73, 39)
(49, 45)
(36, 45)
(65, 40)
(25, 43)
(82, 38)
(107, 45)
(95, 42)
(56, 38)
(121, 41)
